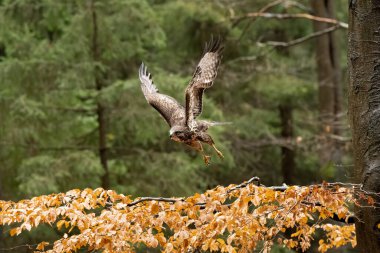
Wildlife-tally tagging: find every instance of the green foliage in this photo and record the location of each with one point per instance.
(79, 169)
(48, 95)
(49, 77)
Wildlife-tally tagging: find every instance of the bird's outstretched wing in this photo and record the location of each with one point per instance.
(168, 107)
(203, 78)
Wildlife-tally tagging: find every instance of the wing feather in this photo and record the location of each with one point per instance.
(172, 111)
(203, 78)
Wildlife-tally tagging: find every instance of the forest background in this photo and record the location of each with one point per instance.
(72, 114)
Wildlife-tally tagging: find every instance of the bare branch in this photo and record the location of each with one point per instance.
(298, 5)
(264, 9)
(29, 246)
(161, 199)
(257, 181)
(242, 185)
(294, 16)
(270, 5)
(302, 39)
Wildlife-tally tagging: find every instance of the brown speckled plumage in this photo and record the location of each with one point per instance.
(182, 120)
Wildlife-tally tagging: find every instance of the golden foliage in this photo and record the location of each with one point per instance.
(227, 219)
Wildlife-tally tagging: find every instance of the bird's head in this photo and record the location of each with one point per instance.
(179, 133)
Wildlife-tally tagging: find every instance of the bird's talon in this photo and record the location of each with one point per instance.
(218, 152)
(206, 159)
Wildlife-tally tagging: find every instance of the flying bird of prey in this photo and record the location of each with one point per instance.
(184, 126)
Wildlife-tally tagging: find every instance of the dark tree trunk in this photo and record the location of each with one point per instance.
(364, 110)
(329, 79)
(288, 163)
(102, 122)
(2, 54)
(1, 188)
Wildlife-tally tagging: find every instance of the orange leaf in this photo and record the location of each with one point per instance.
(60, 224)
(296, 233)
(155, 208)
(221, 241)
(41, 245)
(14, 231)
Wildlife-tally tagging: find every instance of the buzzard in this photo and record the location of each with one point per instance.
(184, 126)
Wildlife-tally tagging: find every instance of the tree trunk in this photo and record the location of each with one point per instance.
(288, 163)
(102, 122)
(364, 110)
(1, 188)
(329, 79)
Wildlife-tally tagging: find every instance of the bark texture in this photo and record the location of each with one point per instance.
(329, 79)
(364, 110)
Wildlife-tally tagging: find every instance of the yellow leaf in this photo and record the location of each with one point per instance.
(206, 245)
(155, 208)
(214, 246)
(161, 238)
(231, 238)
(14, 231)
(60, 224)
(221, 241)
(296, 233)
(231, 249)
(41, 246)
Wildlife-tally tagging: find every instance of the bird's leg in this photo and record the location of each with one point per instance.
(206, 158)
(220, 154)
(204, 137)
(197, 145)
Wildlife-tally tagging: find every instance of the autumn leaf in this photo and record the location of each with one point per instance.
(27, 226)
(60, 224)
(15, 231)
(155, 208)
(41, 246)
(237, 218)
(296, 233)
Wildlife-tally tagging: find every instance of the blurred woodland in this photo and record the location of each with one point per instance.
(72, 114)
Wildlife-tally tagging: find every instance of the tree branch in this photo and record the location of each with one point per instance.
(264, 9)
(256, 180)
(29, 246)
(302, 39)
(293, 16)
(244, 184)
(160, 199)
